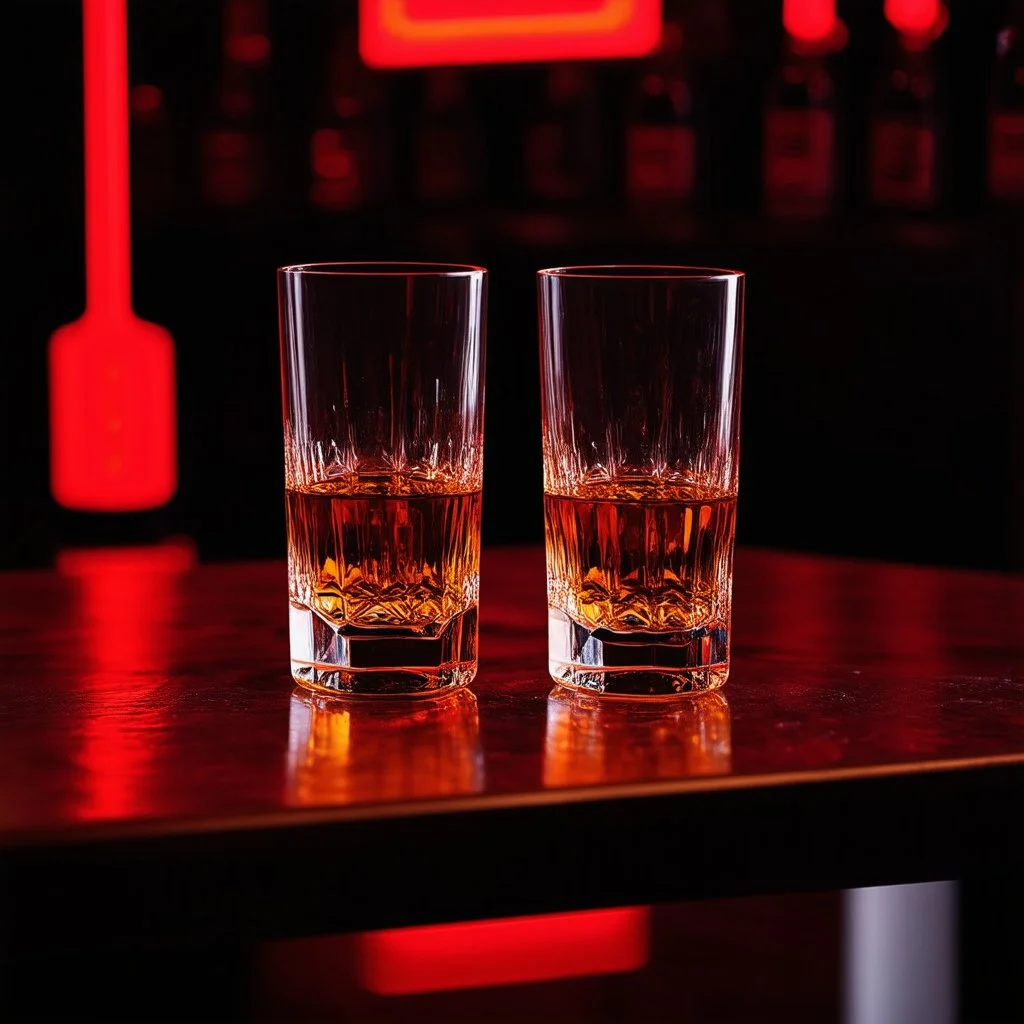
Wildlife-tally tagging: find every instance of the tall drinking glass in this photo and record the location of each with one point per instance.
(640, 372)
(382, 369)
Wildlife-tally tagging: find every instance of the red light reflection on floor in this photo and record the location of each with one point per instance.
(128, 599)
(504, 952)
(416, 33)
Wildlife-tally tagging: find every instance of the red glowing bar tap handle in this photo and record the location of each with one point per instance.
(107, 208)
(112, 396)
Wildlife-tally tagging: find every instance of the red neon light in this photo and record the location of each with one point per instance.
(128, 598)
(112, 403)
(504, 952)
(809, 21)
(913, 17)
(417, 33)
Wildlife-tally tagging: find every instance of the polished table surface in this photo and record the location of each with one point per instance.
(160, 776)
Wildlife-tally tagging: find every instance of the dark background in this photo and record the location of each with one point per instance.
(883, 369)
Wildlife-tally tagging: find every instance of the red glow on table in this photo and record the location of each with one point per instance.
(112, 394)
(914, 17)
(504, 952)
(416, 33)
(129, 599)
(809, 20)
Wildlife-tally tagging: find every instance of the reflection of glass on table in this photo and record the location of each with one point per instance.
(591, 741)
(347, 752)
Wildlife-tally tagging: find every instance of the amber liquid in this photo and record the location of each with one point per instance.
(640, 584)
(384, 579)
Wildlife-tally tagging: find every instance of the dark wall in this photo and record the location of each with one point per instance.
(883, 370)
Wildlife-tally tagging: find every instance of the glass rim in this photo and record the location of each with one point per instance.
(383, 268)
(642, 271)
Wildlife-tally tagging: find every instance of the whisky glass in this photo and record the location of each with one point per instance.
(382, 368)
(640, 381)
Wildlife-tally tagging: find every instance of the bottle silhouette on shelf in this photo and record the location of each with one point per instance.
(800, 134)
(448, 163)
(348, 165)
(151, 152)
(660, 145)
(561, 145)
(904, 167)
(152, 156)
(1006, 112)
(235, 146)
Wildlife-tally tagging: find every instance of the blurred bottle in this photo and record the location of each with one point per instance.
(800, 135)
(348, 150)
(152, 163)
(1006, 112)
(449, 162)
(561, 146)
(235, 146)
(905, 129)
(660, 136)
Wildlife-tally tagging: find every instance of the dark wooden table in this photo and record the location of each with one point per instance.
(160, 777)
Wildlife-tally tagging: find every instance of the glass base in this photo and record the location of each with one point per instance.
(637, 664)
(381, 662)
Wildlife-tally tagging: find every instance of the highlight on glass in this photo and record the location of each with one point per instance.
(640, 369)
(383, 390)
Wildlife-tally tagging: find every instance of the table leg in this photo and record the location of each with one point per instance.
(901, 954)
